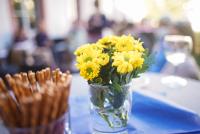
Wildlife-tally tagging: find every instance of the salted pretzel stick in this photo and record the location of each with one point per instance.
(2, 86)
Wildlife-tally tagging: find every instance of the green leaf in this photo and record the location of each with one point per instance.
(148, 61)
(116, 86)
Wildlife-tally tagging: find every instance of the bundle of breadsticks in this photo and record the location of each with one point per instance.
(28, 100)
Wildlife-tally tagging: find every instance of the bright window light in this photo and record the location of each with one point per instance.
(193, 14)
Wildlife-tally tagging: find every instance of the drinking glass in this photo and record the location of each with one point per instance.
(176, 49)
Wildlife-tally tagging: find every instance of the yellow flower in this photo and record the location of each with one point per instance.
(97, 47)
(127, 61)
(138, 46)
(88, 48)
(85, 58)
(82, 49)
(89, 70)
(108, 41)
(125, 43)
(103, 59)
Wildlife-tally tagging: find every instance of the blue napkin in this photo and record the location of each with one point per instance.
(149, 116)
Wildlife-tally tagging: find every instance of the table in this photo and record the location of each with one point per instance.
(149, 84)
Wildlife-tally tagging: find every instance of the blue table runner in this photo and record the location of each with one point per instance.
(149, 116)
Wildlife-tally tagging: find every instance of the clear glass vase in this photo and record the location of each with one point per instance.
(110, 108)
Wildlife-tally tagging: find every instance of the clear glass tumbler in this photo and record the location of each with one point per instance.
(110, 108)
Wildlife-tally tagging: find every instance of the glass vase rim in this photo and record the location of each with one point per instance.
(99, 85)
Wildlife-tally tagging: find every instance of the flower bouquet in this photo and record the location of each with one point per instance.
(109, 65)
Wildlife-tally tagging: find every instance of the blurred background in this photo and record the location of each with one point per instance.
(38, 33)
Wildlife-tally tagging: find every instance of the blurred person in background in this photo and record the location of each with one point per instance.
(189, 68)
(146, 33)
(77, 35)
(19, 34)
(162, 30)
(97, 22)
(41, 38)
(43, 54)
(22, 47)
(130, 29)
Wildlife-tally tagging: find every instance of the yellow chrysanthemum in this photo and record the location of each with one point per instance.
(138, 46)
(82, 49)
(127, 61)
(108, 41)
(89, 70)
(86, 57)
(125, 43)
(87, 49)
(97, 47)
(103, 59)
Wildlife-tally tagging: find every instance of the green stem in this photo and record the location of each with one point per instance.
(105, 117)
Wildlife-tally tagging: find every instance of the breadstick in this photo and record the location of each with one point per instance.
(40, 77)
(47, 100)
(25, 78)
(13, 86)
(9, 79)
(6, 111)
(65, 93)
(48, 73)
(25, 105)
(39, 99)
(14, 109)
(2, 86)
(17, 77)
(32, 79)
(34, 119)
(54, 76)
(55, 107)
